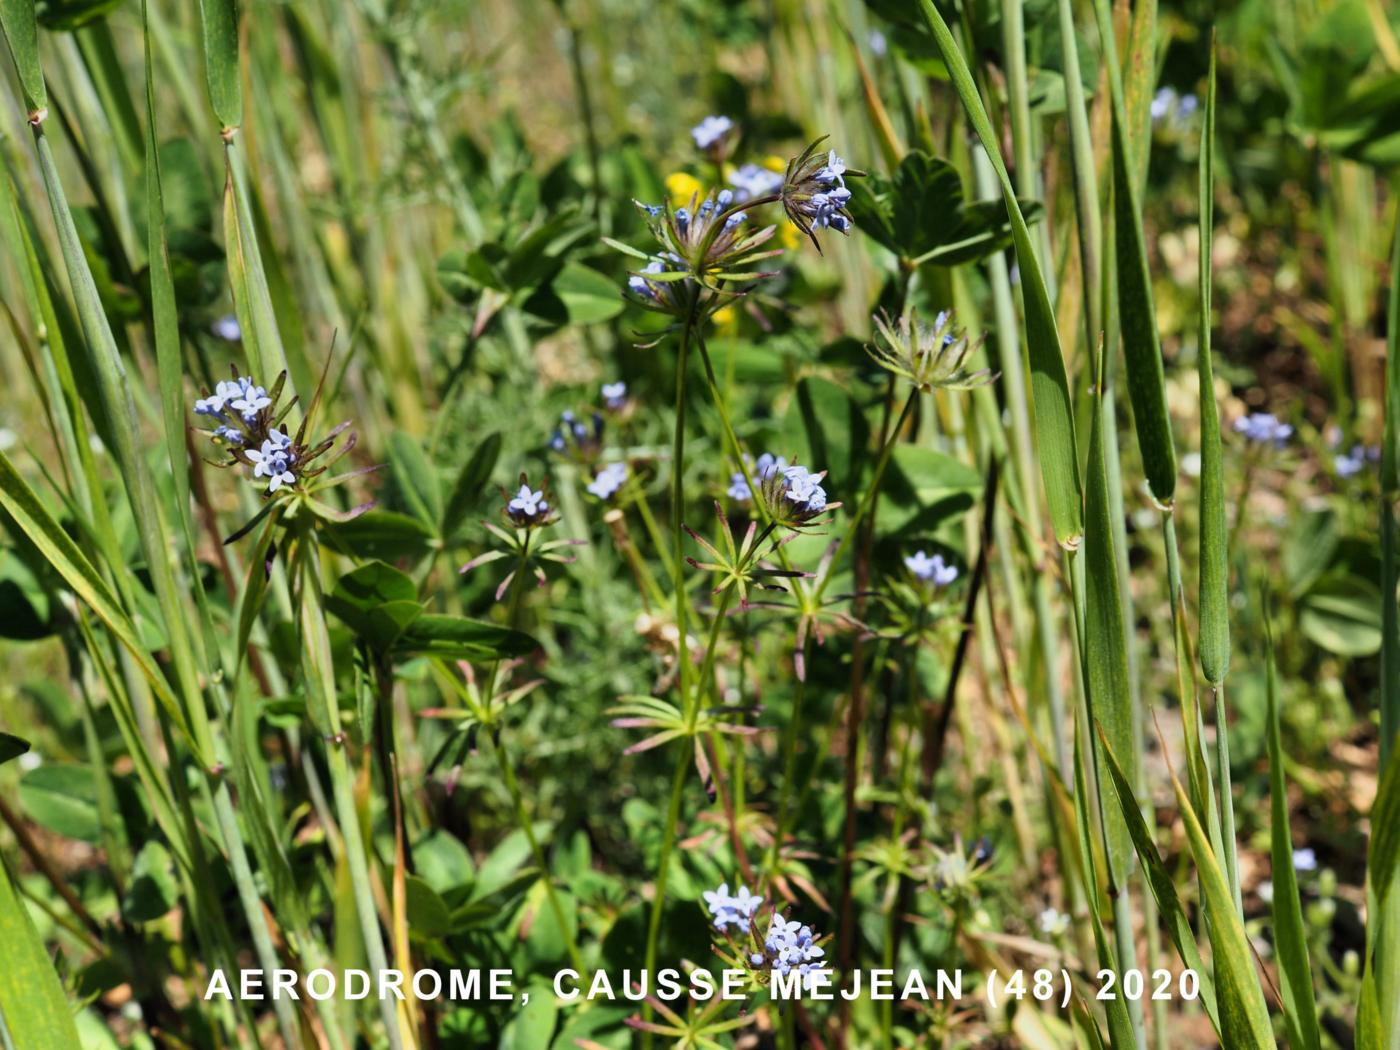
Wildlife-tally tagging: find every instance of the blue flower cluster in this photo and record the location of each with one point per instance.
(751, 182)
(528, 507)
(1263, 428)
(791, 945)
(931, 569)
(608, 481)
(615, 394)
(804, 491)
(1349, 464)
(573, 435)
(240, 395)
(711, 132)
(274, 460)
(819, 196)
(737, 910)
(767, 466)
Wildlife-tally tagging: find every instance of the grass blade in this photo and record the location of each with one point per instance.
(1214, 642)
(219, 20)
(1142, 349)
(1244, 1016)
(34, 1012)
(1050, 398)
(22, 33)
(1290, 937)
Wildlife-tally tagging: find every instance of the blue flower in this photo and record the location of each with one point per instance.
(737, 910)
(252, 400)
(931, 570)
(274, 462)
(615, 395)
(804, 491)
(1349, 464)
(791, 945)
(528, 507)
(768, 465)
(1263, 428)
(1304, 860)
(751, 182)
(229, 435)
(834, 170)
(711, 131)
(227, 328)
(608, 480)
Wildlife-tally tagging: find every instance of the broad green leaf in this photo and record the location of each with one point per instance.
(1244, 1016)
(1290, 935)
(1050, 398)
(153, 889)
(377, 602)
(22, 34)
(1142, 348)
(1342, 613)
(475, 475)
(589, 297)
(1214, 639)
(416, 478)
(62, 798)
(534, 1025)
(434, 634)
(219, 20)
(34, 1011)
(382, 534)
(428, 914)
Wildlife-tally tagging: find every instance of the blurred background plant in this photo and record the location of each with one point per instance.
(938, 712)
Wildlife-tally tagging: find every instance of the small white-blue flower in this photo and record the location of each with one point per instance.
(527, 506)
(751, 182)
(769, 464)
(251, 401)
(1263, 428)
(1304, 859)
(804, 490)
(607, 481)
(931, 569)
(710, 131)
(227, 328)
(615, 394)
(1349, 464)
(272, 461)
(834, 170)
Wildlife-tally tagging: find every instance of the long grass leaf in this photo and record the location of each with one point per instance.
(34, 1011)
(1244, 1016)
(1214, 641)
(17, 18)
(1142, 349)
(1050, 398)
(219, 22)
(1290, 936)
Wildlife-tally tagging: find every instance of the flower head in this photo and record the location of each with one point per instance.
(1263, 428)
(1349, 464)
(814, 192)
(578, 440)
(608, 481)
(227, 328)
(736, 910)
(528, 507)
(752, 181)
(614, 395)
(712, 133)
(273, 460)
(931, 569)
(1304, 859)
(929, 356)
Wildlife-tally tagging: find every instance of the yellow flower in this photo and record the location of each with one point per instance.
(682, 187)
(726, 320)
(775, 163)
(789, 236)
